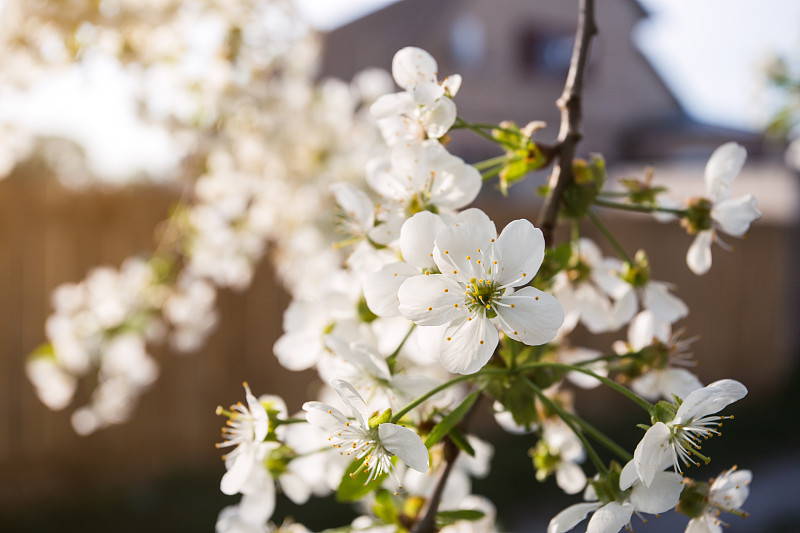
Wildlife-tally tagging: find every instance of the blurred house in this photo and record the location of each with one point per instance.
(514, 56)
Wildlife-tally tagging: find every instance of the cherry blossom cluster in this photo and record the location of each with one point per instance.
(415, 309)
(256, 163)
(432, 308)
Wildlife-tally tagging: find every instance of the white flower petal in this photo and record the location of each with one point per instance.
(703, 524)
(661, 496)
(405, 444)
(663, 304)
(468, 345)
(570, 477)
(431, 300)
(610, 518)
(722, 168)
(520, 252)
(438, 117)
(381, 287)
(412, 66)
(353, 400)
(710, 399)
(698, 257)
(571, 517)
(417, 236)
(390, 105)
(427, 93)
(651, 451)
(735, 215)
(730, 489)
(535, 317)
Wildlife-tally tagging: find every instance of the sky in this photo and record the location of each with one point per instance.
(709, 52)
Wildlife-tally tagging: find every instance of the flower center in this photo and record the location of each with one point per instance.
(480, 295)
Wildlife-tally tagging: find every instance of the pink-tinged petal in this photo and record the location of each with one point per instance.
(520, 252)
(353, 400)
(710, 399)
(534, 318)
(661, 496)
(468, 345)
(610, 518)
(571, 517)
(405, 444)
(651, 452)
(390, 105)
(735, 215)
(438, 117)
(698, 257)
(412, 66)
(381, 287)
(417, 236)
(663, 304)
(431, 300)
(722, 168)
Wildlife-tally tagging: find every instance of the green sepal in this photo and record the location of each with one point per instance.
(692, 501)
(44, 350)
(446, 518)
(447, 423)
(580, 194)
(382, 418)
(364, 312)
(354, 488)
(664, 412)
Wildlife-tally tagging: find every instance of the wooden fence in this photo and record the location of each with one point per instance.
(746, 313)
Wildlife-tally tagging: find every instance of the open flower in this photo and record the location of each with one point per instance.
(425, 107)
(361, 439)
(674, 442)
(726, 493)
(477, 288)
(719, 212)
(613, 509)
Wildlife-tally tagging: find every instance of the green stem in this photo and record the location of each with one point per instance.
(568, 420)
(392, 359)
(491, 173)
(488, 163)
(635, 398)
(436, 390)
(639, 208)
(285, 421)
(610, 237)
(600, 437)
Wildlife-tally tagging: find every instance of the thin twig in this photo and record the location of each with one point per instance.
(571, 114)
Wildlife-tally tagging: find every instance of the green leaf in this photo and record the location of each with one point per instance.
(353, 488)
(384, 507)
(445, 518)
(460, 440)
(449, 422)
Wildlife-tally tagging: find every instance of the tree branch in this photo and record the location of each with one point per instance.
(571, 114)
